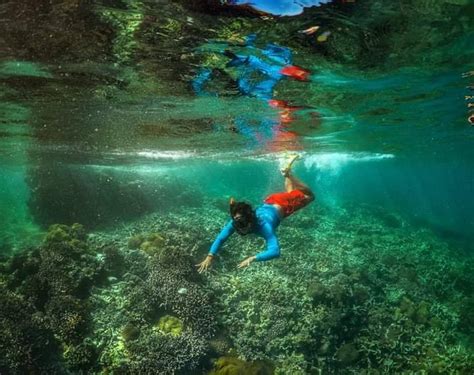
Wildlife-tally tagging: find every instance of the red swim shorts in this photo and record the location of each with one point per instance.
(289, 202)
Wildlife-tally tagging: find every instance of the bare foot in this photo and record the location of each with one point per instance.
(285, 171)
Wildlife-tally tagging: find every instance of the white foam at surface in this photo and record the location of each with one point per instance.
(166, 154)
(332, 162)
(335, 161)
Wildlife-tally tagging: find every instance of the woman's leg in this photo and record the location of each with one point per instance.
(293, 183)
(296, 196)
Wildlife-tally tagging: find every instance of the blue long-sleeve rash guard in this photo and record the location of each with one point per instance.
(268, 220)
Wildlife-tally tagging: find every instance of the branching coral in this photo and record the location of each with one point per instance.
(25, 342)
(175, 272)
(165, 354)
(268, 315)
(53, 282)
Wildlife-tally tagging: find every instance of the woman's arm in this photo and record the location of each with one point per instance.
(273, 247)
(272, 250)
(225, 233)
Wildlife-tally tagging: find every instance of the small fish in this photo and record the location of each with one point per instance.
(182, 291)
(310, 30)
(323, 37)
(469, 97)
(471, 119)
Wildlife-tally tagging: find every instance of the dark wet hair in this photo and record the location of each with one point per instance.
(245, 223)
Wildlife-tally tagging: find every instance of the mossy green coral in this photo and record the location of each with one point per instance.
(74, 235)
(151, 243)
(170, 324)
(236, 366)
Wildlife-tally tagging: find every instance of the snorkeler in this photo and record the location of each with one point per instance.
(264, 220)
(258, 70)
(255, 72)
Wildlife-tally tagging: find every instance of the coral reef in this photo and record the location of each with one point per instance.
(194, 307)
(157, 316)
(371, 295)
(351, 303)
(26, 343)
(50, 285)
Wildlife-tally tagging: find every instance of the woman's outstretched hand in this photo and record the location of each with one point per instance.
(247, 262)
(204, 265)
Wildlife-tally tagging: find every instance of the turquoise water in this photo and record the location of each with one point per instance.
(419, 166)
(102, 124)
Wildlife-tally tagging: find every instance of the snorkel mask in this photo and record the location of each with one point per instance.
(243, 217)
